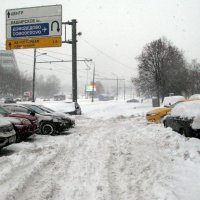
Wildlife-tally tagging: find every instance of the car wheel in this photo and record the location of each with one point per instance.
(47, 129)
(187, 132)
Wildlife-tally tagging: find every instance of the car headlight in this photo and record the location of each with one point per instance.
(25, 122)
(152, 114)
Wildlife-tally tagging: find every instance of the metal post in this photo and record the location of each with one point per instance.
(74, 62)
(93, 84)
(124, 90)
(34, 66)
(117, 87)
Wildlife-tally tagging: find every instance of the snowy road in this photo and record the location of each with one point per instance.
(117, 158)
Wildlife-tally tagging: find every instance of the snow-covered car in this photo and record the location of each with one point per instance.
(7, 133)
(48, 123)
(172, 100)
(185, 118)
(195, 97)
(72, 108)
(25, 125)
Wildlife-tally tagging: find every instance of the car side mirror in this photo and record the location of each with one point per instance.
(32, 113)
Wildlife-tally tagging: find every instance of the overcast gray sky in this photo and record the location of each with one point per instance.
(113, 34)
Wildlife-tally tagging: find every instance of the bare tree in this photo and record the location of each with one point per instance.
(161, 69)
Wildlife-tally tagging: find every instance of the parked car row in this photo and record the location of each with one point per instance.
(182, 116)
(27, 119)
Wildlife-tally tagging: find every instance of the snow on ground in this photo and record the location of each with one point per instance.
(111, 154)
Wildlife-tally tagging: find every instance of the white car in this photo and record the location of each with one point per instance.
(7, 133)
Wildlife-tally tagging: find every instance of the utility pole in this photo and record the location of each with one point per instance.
(74, 62)
(73, 41)
(117, 88)
(124, 90)
(34, 66)
(93, 83)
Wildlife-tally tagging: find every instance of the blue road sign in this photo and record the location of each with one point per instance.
(30, 30)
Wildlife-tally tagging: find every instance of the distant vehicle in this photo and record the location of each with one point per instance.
(59, 97)
(132, 101)
(185, 118)
(48, 123)
(25, 125)
(67, 107)
(9, 100)
(104, 97)
(7, 133)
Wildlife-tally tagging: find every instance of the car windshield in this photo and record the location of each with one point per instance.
(173, 105)
(36, 109)
(46, 109)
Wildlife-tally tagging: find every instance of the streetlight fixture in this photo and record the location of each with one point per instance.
(34, 67)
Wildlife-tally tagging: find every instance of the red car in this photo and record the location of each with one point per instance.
(25, 125)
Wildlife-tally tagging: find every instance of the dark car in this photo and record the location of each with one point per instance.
(7, 133)
(48, 123)
(185, 118)
(25, 125)
(180, 125)
(132, 101)
(9, 100)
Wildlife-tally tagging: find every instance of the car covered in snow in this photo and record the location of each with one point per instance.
(48, 123)
(67, 107)
(25, 125)
(194, 97)
(7, 133)
(185, 118)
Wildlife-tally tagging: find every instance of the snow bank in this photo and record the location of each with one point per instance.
(111, 154)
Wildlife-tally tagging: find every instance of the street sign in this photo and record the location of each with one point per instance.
(30, 30)
(34, 22)
(33, 43)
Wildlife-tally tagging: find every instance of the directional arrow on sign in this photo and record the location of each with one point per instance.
(58, 28)
(8, 14)
(10, 44)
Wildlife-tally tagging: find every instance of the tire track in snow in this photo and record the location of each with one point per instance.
(101, 160)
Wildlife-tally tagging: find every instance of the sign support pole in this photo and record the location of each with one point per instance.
(73, 41)
(74, 62)
(34, 67)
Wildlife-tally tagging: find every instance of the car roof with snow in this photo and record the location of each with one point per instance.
(187, 109)
(172, 99)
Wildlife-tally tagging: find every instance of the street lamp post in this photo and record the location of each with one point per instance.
(34, 67)
(93, 80)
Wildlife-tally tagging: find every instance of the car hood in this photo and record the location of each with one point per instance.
(19, 115)
(4, 122)
(159, 110)
(13, 120)
(58, 115)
